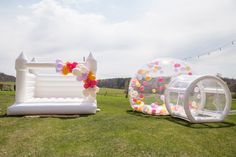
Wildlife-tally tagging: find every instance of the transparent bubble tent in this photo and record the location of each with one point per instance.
(147, 87)
(198, 98)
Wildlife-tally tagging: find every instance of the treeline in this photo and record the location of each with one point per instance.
(118, 83)
(122, 83)
(232, 85)
(7, 78)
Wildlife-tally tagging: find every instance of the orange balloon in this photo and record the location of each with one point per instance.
(92, 77)
(65, 70)
(141, 71)
(148, 77)
(139, 102)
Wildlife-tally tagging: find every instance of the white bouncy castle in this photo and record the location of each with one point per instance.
(69, 89)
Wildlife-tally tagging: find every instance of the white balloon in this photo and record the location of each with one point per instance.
(76, 72)
(97, 89)
(86, 92)
(92, 94)
(162, 97)
(82, 68)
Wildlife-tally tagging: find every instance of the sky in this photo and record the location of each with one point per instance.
(122, 35)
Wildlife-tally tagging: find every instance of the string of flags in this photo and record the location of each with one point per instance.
(207, 53)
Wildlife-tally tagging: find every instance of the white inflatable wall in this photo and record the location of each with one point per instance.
(38, 93)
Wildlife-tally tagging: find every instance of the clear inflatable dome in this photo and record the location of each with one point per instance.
(198, 98)
(147, 87)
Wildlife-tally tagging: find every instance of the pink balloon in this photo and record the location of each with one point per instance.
(150, 65)
(144, 83)
(153, 111)
(154, 105)
(160, 79)
(161, 88)
(177, 65)
(141, 88)
(141, 96)
(133, 84)
(156, 62)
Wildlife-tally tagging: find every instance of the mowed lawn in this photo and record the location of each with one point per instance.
(115, 131)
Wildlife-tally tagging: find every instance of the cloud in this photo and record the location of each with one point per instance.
(52, 29)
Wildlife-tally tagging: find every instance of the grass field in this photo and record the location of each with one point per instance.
(115, 131)
(11, 83)
(112, 92)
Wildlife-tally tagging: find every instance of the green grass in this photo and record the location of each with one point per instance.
(11, 83)
(115, 131)
(112, 92)
(233, 107)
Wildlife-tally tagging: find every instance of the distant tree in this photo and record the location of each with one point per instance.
(7, 78)
(119, 83)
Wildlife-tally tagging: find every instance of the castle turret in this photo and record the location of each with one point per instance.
(91, 63)
(21, 72)
(33, 71)
(21, 61)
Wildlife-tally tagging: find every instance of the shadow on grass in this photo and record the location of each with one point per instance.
(63, 117)
(200, 125)
(185, 123)
(6, 116)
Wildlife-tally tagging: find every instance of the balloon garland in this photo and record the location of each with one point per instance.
(82, 73)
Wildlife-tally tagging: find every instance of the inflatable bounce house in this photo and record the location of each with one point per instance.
(69, 89)
(167, 86)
